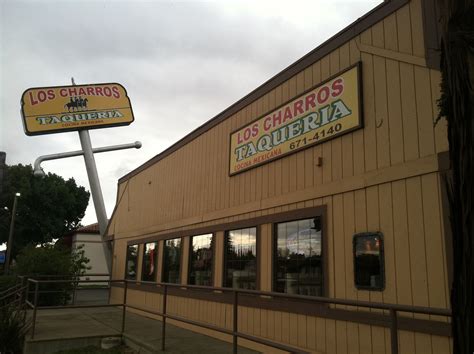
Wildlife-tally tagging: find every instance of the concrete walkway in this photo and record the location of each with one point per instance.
(72, 328)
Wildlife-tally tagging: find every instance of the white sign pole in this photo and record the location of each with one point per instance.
(94, 182)
(96, 191)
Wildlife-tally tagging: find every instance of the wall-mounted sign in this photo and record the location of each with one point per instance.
(57, 109)
(324, 112)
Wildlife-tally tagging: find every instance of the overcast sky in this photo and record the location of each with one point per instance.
(182, 62)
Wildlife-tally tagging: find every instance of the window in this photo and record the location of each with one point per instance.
(298, 258)
(369, 261)
(241, 258)
(200, 270)
(150, 258)
(171, 261)
(132, 260)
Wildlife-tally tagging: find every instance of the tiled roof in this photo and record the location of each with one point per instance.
(88, 229)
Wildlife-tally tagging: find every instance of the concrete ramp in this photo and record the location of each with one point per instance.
(75, 328)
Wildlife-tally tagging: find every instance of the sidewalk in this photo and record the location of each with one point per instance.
(82, 327)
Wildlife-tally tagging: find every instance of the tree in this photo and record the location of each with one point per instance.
(457, 105)
(48, 207)
(53, 263)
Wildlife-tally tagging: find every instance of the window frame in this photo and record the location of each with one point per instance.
(163, 268)
(213, 261)
(137, 266)
(257, 254)
(258, 222)
(324, 258)
(381, 259)
(143, 261)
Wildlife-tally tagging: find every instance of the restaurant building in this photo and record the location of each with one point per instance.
(327, 181)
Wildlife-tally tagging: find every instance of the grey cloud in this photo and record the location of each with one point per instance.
(181, 62)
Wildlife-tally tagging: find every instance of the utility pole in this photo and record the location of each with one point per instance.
(10, 235)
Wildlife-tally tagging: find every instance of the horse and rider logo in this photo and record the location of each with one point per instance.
(76, 104)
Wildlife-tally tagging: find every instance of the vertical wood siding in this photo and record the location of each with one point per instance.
(399, 100)
(191, 188)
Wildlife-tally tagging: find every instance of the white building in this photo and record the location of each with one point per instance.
(89, 238)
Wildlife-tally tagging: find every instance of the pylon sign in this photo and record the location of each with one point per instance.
(57, 109)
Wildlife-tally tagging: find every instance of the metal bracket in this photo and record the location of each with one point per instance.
(38, 171)
(88, 153)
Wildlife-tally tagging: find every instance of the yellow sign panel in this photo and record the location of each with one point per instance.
(331, 109)
(57, 109)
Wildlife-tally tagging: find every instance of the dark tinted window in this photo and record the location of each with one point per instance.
(150, 258)
(241, 258)
(132, 260)
(299, 257)
(171, 261)
(201, 260)
(369, 261)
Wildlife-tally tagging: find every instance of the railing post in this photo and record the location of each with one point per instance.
(22, 290)
(163, 324)
(394, 331)
(34, 310)
(235, 322)
(74, 292)
(124, 305)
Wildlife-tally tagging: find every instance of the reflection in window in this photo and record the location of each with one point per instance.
(132, 260)
(299, 257)
(368, 261)
(171, 261)
(150, 258)
(201, 260)
(241, 258)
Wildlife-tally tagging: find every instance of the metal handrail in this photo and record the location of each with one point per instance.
(320, 299)
(8, 292)
(392, 308)
(33, 276)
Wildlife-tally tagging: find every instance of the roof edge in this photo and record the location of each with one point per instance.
(375, 15)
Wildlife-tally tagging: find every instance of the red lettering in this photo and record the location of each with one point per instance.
(337, 87)
(90, 91)
(323, 95)
(82, 91)
(267, 123)
(51, 95)
(277, 118)
(107, 91)
(72, 92)
(239, 139)
(247, 134)
(116, 92)
(42, 96)
(310, 101)
(63, 92)
(298, 107)
(255, 130)
(32, 99)
(288, 115)
(98, 91)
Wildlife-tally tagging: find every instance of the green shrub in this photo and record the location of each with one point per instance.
(51, 263)
(13, 328)
(7, 281)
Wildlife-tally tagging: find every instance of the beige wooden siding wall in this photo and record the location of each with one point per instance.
(406, 211)
(192, 185)
(379, 178)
